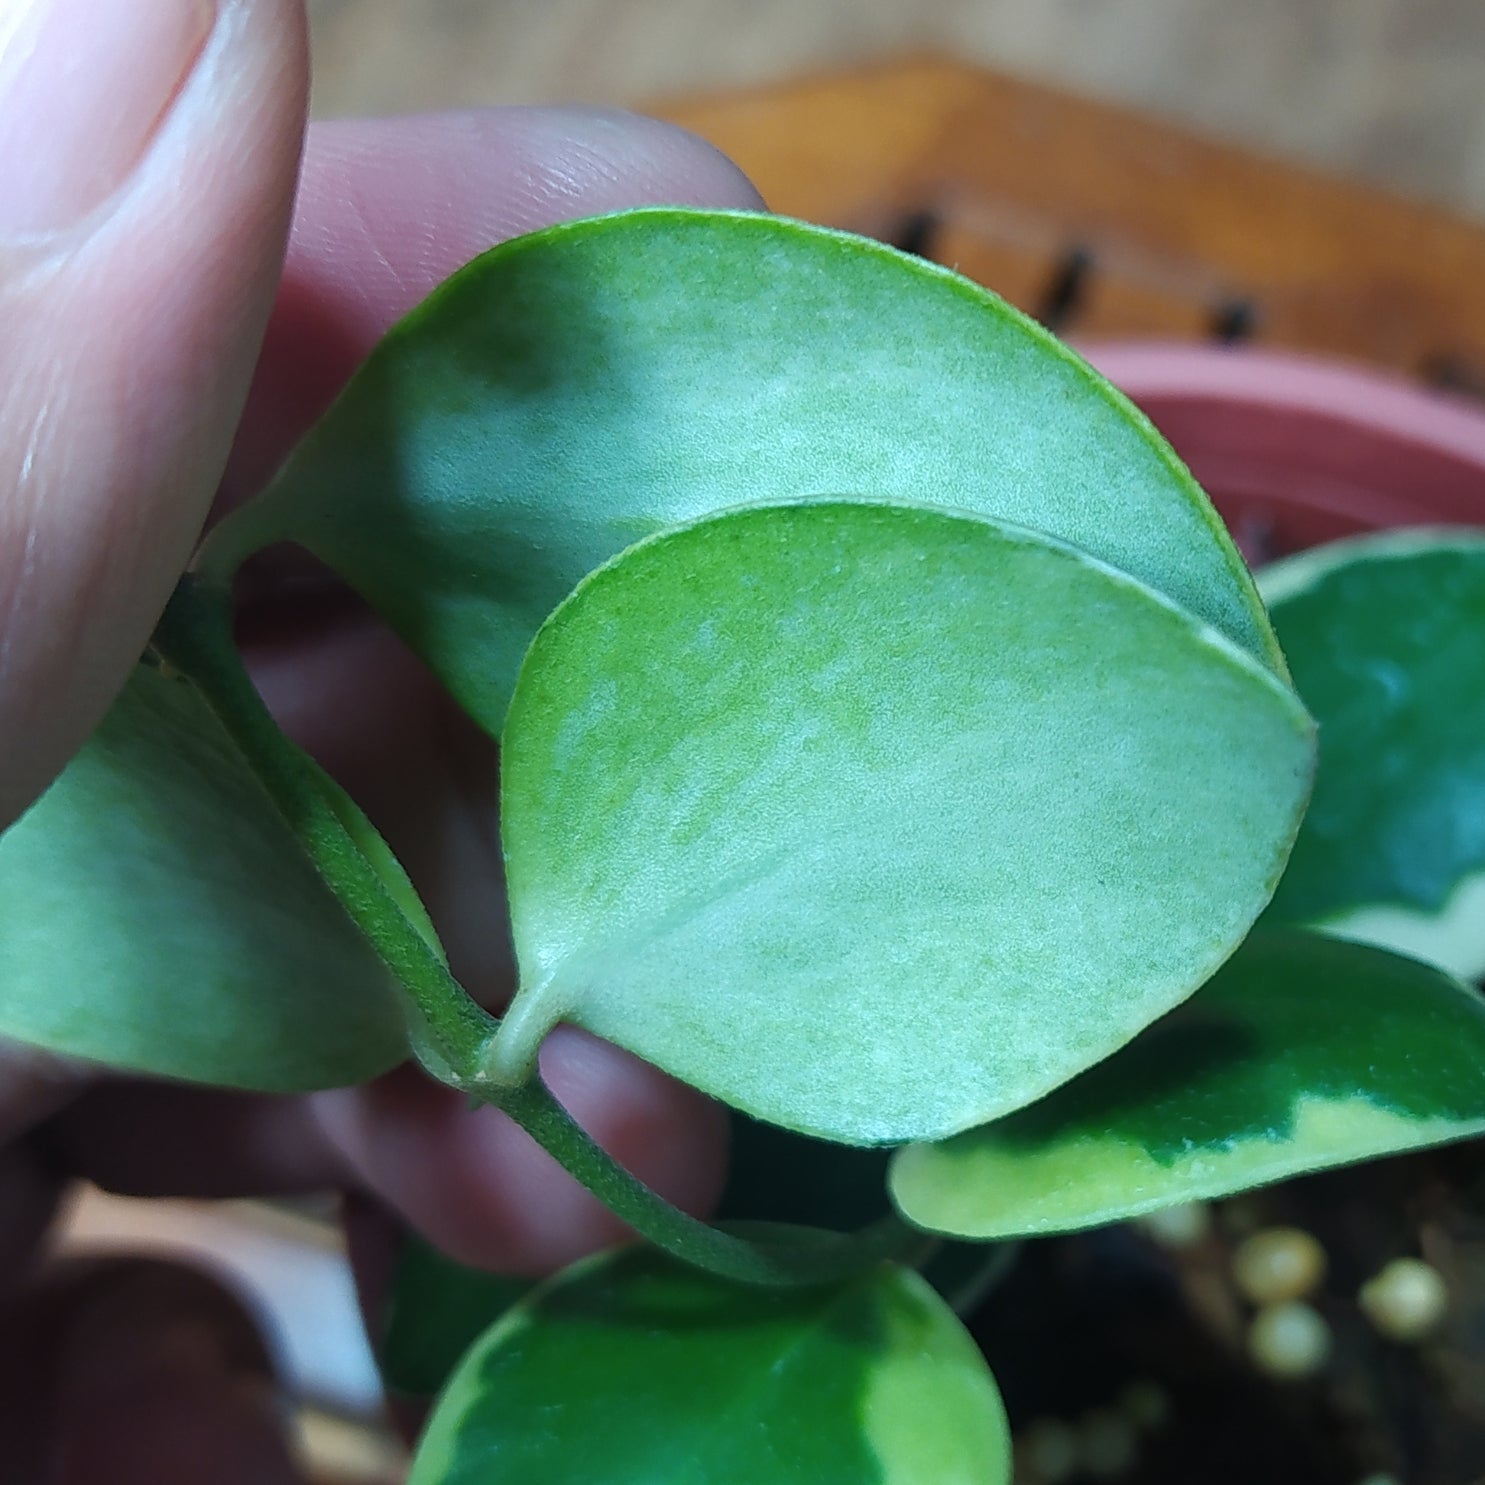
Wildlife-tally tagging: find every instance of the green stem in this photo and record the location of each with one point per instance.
(819, 1258)
(194, 635)
(229, 543)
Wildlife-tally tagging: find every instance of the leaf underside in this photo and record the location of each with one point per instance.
(157, 914)
(878, 821)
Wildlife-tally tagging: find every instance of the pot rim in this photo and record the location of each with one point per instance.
(1163, 375)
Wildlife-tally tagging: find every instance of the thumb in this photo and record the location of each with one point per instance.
(148, 155)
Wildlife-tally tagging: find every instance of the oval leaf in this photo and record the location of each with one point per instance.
(1385, 637)
(877, 821)
(157, 914)
(579, 388)
(1304, 1052)
(633, 1368)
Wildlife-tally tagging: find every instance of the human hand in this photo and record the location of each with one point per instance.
(147, 180)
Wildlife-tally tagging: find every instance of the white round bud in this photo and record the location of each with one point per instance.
(1278, 1264)
(1181, 1226)
(1290, 1341)
(1406, 1300)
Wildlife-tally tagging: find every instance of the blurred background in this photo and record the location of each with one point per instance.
(1383, 91)
(1304, 175)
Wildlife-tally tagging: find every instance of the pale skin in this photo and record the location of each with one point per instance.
(129, 403)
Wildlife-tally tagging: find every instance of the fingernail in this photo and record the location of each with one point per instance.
(84, 84)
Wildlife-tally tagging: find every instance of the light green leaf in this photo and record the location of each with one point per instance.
(879, 821)
(577, 389)
(634, 1370)
(1304, 1052)
(1386, 635)
(157, 914)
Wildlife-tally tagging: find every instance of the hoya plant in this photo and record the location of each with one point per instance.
(894, 747)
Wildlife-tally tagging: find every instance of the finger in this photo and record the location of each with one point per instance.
(28, 1200)
(475, 1183)
(135, 1370)
(142, 1138)
(147, 164)
(480, 1189)
(33, 1085)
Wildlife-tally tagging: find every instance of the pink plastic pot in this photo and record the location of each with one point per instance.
(1296, 451)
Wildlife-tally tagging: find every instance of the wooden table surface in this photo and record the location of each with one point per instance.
(1390, 92)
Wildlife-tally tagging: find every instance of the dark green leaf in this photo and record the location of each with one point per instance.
(1386, 635)
(633, 1370)
(436, 1311)
(879, 821)
(580, 388)
(1304, 1052)
(157, 914)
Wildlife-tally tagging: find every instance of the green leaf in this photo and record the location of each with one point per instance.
(436, 1310)
(1304, 1052)
(878, 821)
(1385, 637)
(157, 914)
(446, 1028)
(577, 389)
(634, 1370)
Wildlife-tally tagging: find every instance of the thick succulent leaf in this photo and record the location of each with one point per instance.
(579, 388)
(634, 1370)
(1386, 636)
(1304, 1052)
(879, 821)
(157, 914)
